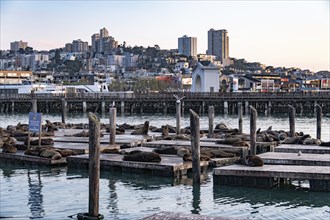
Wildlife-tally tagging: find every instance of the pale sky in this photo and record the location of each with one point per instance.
(277, 33)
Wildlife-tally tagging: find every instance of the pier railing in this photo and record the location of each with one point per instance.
(127, 96)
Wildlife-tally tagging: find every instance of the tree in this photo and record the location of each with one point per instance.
(73, 66)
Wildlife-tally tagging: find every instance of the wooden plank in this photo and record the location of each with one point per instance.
(218, 162)
(294, 159)
(295, 148)
(126, 141)
(169, 165)
(278, 171)
(21, 157)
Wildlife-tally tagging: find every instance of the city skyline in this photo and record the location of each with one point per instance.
(290, 34)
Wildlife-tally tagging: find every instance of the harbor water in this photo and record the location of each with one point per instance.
(29, 192)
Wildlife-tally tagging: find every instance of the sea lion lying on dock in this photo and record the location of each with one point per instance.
(50, 126)
(296, 140)
(142, 156)
(218, 153)
(235, 141)
(142, 130)
(8, 148)
(202, 157)
(311, 141)
(49, 152)
(251, 161)
(325, 144)
(44, 141)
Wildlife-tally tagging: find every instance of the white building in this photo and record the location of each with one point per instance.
(118, 60)
(205, 77)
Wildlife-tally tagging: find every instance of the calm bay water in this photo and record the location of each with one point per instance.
(28, 192)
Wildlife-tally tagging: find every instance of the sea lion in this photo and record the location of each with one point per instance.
(110, 151)
(143, 157)
(311, 141)
(50, 153)
(251, 161)
(202, 157)
(182, 151)
(166, 150)
(165, 131)
(8, 148)
(229, 140)
(142, 130)
(296, 140)
(50, 126)
(44, 141)
(66, 152)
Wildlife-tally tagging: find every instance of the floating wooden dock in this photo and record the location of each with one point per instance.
(309, 149)
(294, 159)
(169, 166)
(19, 156)
(269, 176)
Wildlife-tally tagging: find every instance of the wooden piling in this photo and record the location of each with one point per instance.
(318, 121)
(94, 164)
(240, 117)
(34, 105)
(63, 110)
(211, 120)
(195, 146)
(178, 116)
(292, 120)
(113, 112)
(253, 130)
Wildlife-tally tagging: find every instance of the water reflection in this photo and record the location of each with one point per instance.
(35, 200)
(196, 191)
(113, 199)
(269, 197)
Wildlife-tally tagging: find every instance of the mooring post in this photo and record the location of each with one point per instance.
(178, 113)
(195, 146)
(34, 105)
(63, 107)
(94, 165)
(292, 120)
(211, 120)
(113, 112)
(240, 117)
(253, 130)
(318, 121)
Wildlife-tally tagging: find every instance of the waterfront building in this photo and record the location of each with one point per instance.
(187, 46)
(218, 44)
(205, 77)
(13, 76)
(15, 46)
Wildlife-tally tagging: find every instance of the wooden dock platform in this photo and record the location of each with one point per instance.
(19, 156)
(169, 166)
(294, 159)
(269, 176)
(295, 148)
(158, 143)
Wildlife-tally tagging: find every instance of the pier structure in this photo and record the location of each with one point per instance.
(265, 103)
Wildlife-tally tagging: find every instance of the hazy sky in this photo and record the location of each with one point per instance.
(278, 33)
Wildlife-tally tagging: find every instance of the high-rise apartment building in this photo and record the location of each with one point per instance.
(218, 44)
(104, 33)
(187, 46)
(79, 46)
(15, 46)
(95, 42)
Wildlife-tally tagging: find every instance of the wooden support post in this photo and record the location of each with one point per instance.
(84, 107)
(113, 114)
(253, 130)
(246, 108)
(178, 116)
(318, 121)
(94, 165)
(195, 146)
(122, 108)
(34, 105)
(211, 120)
(103, 108)
(63, 110)
(225, 107)
(292, 120)
(240, 117)
(12, 107)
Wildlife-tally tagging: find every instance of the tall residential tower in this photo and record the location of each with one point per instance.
(187, 46)
(218, 44)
